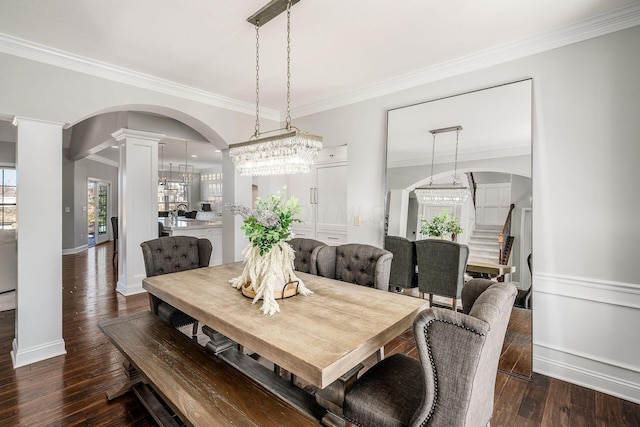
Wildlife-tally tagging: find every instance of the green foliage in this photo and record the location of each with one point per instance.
(270, 221)
(442, 224)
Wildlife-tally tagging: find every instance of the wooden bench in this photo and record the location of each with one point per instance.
(200, 389)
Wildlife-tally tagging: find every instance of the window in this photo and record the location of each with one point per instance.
(7, 198)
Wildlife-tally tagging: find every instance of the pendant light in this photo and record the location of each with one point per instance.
(435, 194)
(186, 171)
(291, 151)
(162, 178)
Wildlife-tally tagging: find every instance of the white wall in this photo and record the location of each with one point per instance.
(585, 204)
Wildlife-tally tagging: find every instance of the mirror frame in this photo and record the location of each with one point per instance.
(523, 372)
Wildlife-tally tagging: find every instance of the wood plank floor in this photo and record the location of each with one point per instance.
(70, 390)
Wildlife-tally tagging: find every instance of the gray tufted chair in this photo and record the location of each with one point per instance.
(364, 265)
(306, 254)
(441, 267)
(453, 382)
(403, 267)
(169, 255)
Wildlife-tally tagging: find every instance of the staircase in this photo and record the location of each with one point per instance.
(483, 244)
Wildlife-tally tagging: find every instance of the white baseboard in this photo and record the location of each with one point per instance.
(130, 289)
(26, 356)
(601, 376)
(73, 251)
(583, 333)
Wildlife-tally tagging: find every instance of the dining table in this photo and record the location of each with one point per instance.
(322, 338)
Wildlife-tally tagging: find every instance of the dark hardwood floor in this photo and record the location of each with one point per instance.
(70, 390)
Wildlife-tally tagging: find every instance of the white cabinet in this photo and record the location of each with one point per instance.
(322, 195)
(211, 182)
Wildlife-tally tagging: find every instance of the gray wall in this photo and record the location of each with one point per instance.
(7, 153)
(75, 177)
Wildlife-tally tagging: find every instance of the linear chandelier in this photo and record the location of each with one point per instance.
(436, 194)
(291, 151)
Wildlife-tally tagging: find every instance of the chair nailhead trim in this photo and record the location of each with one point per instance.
(433, 365)
(351, 421)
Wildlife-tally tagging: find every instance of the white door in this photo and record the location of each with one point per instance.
(492, 203)
(302, 187)
(98, 195)
(331, 195)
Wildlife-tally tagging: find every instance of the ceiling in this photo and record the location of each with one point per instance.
(496, 123)
(338, 46)
(342, 50)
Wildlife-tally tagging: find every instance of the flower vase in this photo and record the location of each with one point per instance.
(269, 276)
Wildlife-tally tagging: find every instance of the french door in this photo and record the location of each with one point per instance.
(98, 198)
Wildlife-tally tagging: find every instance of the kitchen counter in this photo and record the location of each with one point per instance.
(181, 223)
(211, 230)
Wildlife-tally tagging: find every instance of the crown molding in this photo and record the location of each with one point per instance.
(40, 53)
(103, 160)
(599, 25)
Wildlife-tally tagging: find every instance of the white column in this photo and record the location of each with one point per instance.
(39, 233)
(137, 204)
(236, 190)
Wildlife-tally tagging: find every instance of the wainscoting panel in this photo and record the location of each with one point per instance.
(585, 332)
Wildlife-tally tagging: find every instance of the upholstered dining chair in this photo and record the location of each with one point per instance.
(306, 251)
(169, 255)
(453, 382)
(361, 264)
(403, 266)
(114, 227)
(161, 232)
(441, 267)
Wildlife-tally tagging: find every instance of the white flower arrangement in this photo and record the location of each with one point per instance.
(268, 258)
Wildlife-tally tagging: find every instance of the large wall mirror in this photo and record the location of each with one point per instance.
(494, 160)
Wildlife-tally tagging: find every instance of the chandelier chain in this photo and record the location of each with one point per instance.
(288, 152)
(288, 120)
(257, 127)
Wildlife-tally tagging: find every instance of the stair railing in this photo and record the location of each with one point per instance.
(474, 188)
(506, 231)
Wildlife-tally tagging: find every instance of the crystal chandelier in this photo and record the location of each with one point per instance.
(291, 151)
(436, 194)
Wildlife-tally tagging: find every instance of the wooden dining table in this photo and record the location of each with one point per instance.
(322, 338)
